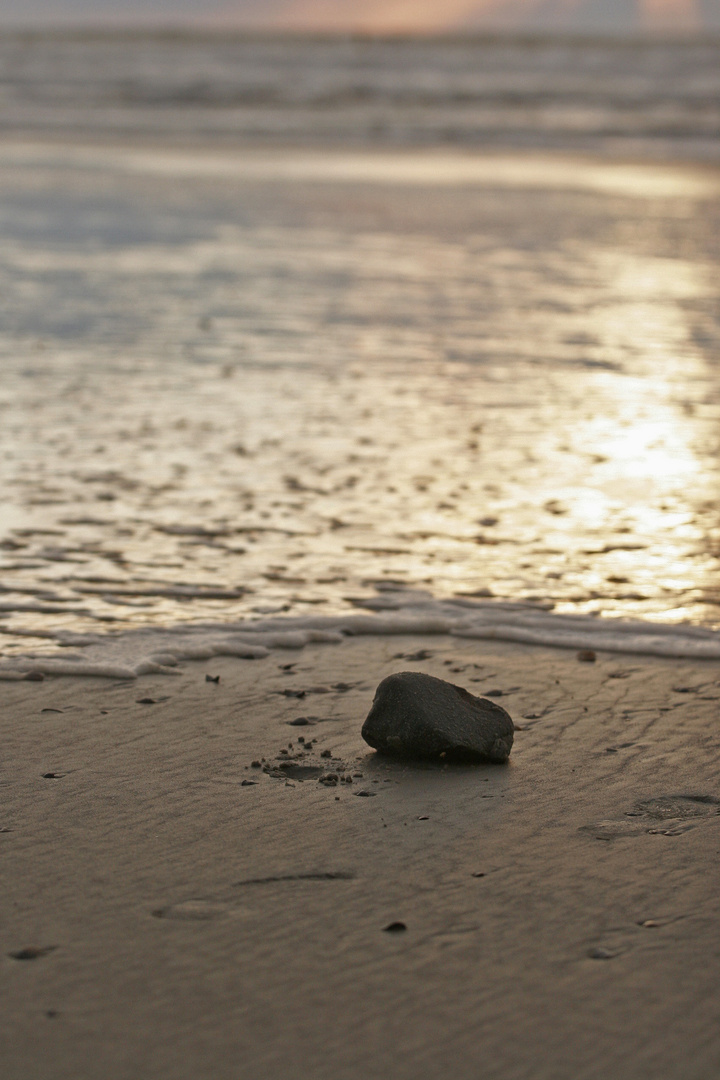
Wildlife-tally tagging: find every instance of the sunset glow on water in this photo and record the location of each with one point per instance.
(372, 392)
(255, 379)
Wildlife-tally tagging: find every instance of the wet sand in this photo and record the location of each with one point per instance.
(198, 917)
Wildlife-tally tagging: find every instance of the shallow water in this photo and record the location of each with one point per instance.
(651, 97)
(232, 387)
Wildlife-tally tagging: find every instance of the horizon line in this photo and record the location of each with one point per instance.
(186, 28)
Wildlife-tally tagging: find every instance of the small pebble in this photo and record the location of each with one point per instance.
(587, 656)
(600, 953)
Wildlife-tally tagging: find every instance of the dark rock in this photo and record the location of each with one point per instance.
(418, 716)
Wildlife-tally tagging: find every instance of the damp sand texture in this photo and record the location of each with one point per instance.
(172, 911)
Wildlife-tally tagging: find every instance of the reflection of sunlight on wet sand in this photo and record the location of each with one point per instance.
(646, 444)
(654, 451)
(647, 436)
(642, 316)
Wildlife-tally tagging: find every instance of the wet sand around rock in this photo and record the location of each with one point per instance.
(174, 911)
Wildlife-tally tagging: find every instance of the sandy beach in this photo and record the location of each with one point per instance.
(186, 914)
(309, 358)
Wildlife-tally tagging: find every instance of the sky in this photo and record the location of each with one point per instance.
(376, 16)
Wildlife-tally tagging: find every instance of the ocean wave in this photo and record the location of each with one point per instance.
(413, 613)
(514, 91)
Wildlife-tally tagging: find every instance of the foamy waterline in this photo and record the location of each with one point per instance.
(162, 651)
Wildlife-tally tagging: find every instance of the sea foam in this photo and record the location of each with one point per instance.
(161, 651)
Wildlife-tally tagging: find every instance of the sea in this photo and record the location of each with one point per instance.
(650, 97)
(304, 337)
